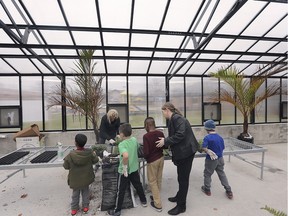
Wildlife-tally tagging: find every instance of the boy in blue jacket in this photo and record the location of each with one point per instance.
(213, 146)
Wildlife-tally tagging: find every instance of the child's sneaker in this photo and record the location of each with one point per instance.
(112, 212)
(156, 208)
(206, 191)
(74, 211)
(144, 203)
(85, 210)
(229, 194)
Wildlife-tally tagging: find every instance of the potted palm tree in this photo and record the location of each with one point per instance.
(242, 92)
(87, 97)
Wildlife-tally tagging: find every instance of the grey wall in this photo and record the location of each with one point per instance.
(262, 133)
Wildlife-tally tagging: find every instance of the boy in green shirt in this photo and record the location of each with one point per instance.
(128, 168)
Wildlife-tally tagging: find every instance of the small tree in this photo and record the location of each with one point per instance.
(87, 97)
(242, 92)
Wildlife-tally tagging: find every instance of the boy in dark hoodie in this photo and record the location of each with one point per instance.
(80, 162)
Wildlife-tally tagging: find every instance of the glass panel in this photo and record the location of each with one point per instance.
(170, 41)
(193, 100)
(23, 65)
(138, 66)
(90, 17)
(159, 67)
(119, 66)
(9, 88)
(137, 101)
(152, 21)
(113, 39)
(156, 99)
(74, 120)
(227, 109)
(41, 12)
(32, 101)
(176, 91)
(87, 38)
(117, 90)
(260, 108)
(121, 11)
(53, 118)
(273, 103)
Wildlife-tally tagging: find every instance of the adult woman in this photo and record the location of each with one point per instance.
(109, 127)
(183, 145)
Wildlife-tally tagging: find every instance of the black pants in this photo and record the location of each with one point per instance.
(123, 181)
(183, 171)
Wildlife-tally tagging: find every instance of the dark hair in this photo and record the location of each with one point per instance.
(80, 140)
(149, 123)
(125, 129)
(171, 107)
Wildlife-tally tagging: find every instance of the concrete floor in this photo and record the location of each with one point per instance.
(45, 192)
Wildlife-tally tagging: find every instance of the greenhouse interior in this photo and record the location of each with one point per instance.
(64, 64)
(144, 53)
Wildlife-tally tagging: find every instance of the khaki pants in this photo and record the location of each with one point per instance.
(154, 175)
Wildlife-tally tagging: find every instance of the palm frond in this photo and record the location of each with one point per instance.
(86, 98)
(274, 211)
(242, 91)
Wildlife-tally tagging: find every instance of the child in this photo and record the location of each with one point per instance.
(80, 162)
(213, 145)
(128, 168)
(155, 161)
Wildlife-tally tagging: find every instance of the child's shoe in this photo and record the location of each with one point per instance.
(229, 194)
(85, 210)
(206, 191)
(144, 203)
(74, 211)
(156, 208)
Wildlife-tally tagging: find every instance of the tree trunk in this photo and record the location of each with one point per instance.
(96, 131)
(245, 125)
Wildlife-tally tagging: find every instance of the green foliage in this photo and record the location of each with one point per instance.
(99, 149)
(242, 91)
(86, 98)
(200, 142)
(274, 211)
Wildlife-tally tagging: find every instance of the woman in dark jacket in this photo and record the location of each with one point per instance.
(109, 127)
(183, 145)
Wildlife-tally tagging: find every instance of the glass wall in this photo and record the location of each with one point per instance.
(32, 101)
(194, 100)
(260, 108)
(137, 101)
(156, 98)
(53, 115)
(9, 95)
(176, 88)
(273, 104)
(145, 97)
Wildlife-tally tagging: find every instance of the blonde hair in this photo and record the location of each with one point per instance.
(112, 114)
(171, 107)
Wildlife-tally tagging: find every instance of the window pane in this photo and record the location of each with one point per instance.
(176, 89)
(9, 88)
(74, 120)
(53, 118)
(156, 99)
(137, 101)
(273, 103)
(9, 96)
(32, 101)
(227, 109)
(193, 100)
(117, 90)
(260, 108)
